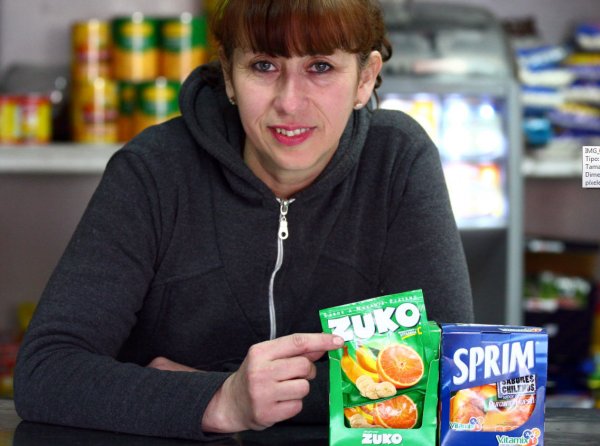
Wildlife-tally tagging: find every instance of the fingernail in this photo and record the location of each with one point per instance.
(338, 341)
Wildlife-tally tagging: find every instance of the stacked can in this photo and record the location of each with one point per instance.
(95, 112)
(183, 45)
(94, 94)
(135, 48)
(90, 50)
(141, 62)
(135, 60)
(157, 101)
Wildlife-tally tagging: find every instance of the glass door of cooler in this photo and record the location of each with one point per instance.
(470, 130)
(475, 124)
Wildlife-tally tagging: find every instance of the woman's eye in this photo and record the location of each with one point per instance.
(321, 67)
(263, 66)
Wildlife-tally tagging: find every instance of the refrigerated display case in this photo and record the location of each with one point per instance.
(452, 70)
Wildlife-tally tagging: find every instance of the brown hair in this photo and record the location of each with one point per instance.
(301, 27)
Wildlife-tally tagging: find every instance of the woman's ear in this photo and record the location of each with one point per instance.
(368, 77)
(225, 66)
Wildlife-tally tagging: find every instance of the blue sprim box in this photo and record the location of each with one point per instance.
(514, 359)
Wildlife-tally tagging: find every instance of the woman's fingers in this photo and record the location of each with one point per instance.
(297, 344)
(295, 389)
(293, 368)
(270, 384)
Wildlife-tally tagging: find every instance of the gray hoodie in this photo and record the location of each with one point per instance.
(179, 255)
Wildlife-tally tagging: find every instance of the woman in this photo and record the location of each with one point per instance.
(187, 302)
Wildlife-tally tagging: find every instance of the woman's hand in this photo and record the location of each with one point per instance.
(269, 385)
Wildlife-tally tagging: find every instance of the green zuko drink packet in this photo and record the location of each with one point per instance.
(383, 382)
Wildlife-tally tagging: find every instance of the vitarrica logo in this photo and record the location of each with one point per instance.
(530, 437)
(382, 320)
(370, 438)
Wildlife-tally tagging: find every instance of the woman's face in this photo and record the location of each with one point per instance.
(294, 111)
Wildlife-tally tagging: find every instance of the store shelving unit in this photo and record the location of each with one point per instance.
(551, 168)
(55, 158)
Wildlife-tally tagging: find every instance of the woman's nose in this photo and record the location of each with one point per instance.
(291, 94)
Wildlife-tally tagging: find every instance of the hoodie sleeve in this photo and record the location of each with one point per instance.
(66, 371)
(424, 249)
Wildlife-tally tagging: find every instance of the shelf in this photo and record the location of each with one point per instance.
(91, 159)
(56, 158)
(551, 168)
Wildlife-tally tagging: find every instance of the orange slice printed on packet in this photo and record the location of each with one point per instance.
(398, 364)
(397, 413)
(401, 365)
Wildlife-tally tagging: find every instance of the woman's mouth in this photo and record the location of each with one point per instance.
(291, 136)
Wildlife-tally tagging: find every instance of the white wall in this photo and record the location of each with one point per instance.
(38, 31)
(554, 18)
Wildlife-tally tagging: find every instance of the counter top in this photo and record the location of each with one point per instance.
(564, 427)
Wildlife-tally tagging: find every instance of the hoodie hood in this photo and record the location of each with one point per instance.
(216, 127)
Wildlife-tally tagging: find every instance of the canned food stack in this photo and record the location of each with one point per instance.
(94, 94)
(137, 84)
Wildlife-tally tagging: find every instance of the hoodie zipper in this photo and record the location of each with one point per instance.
(282, 234)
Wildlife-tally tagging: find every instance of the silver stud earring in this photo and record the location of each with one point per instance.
(358, 105)
(232, 100)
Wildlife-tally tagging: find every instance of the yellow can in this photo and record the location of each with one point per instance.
(135, 48)
(36, 119)
(94, 112)
(157, 102)
(10, 119)
(183, 45)
(90, 42)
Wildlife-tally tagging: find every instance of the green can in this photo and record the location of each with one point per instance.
(135, 47)
(157, 101)
(183, 45)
